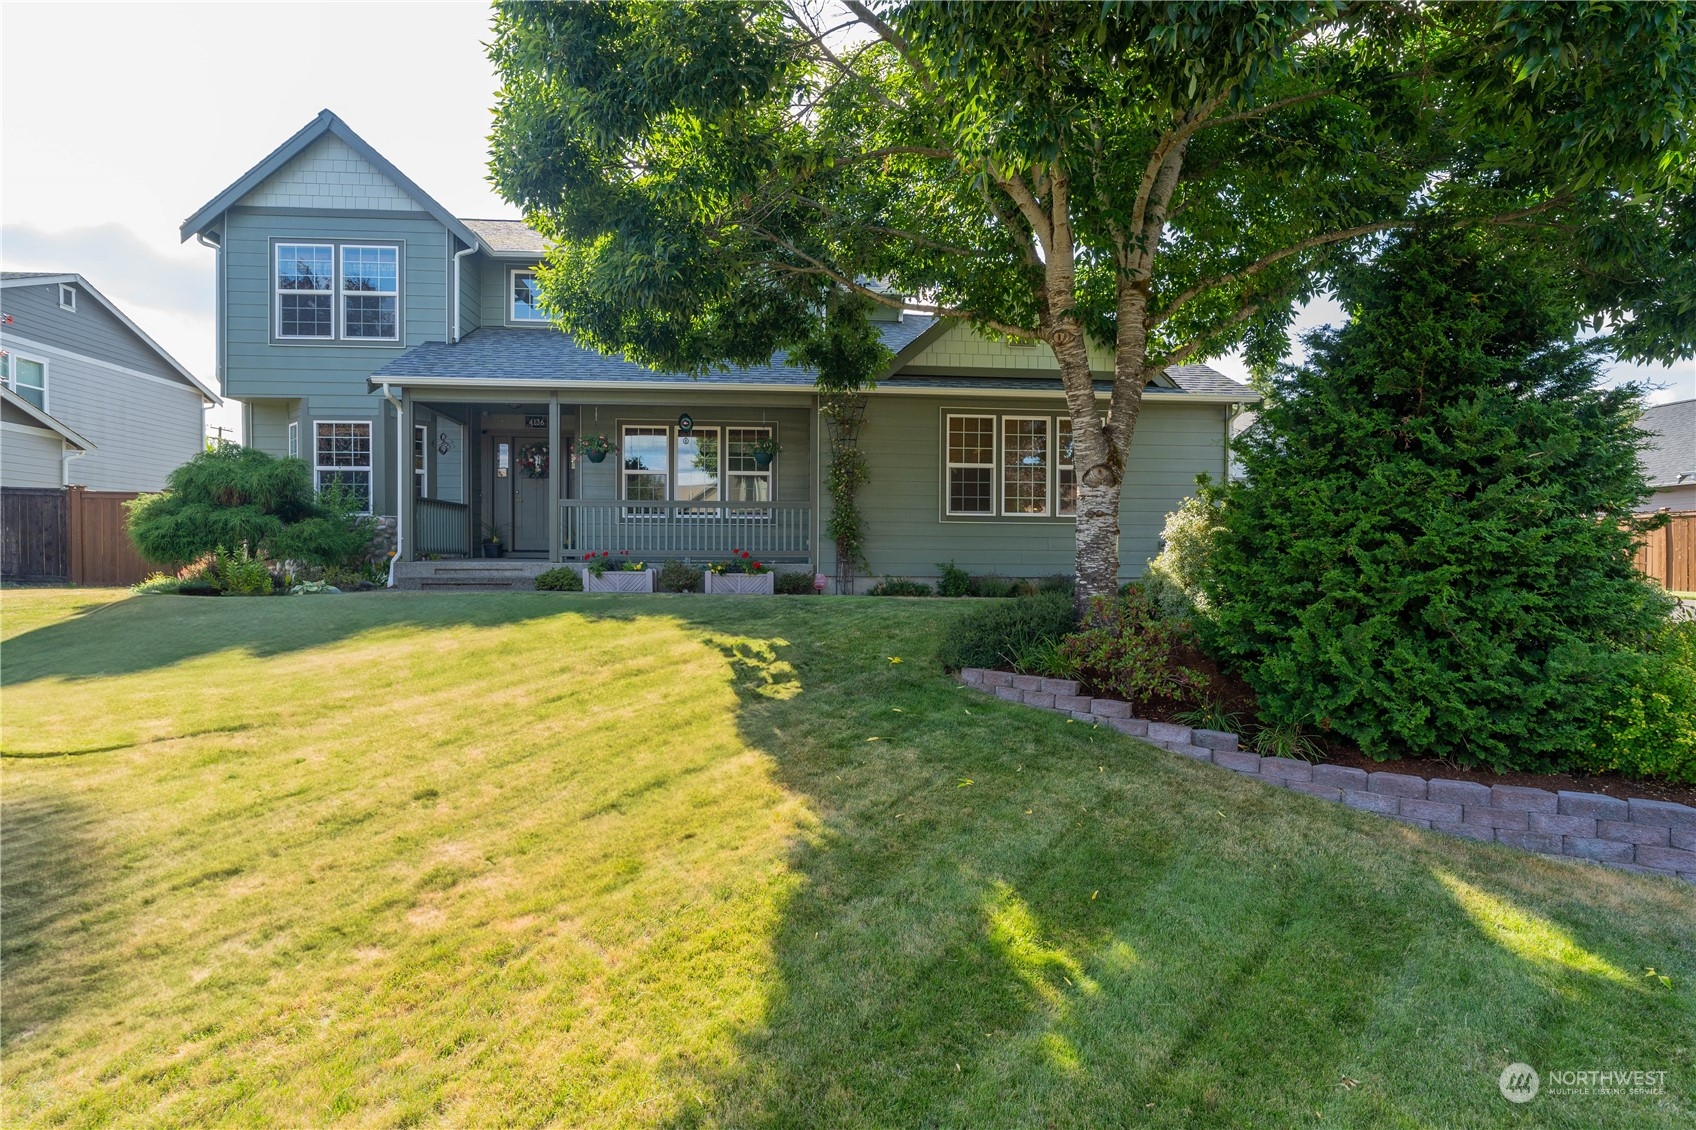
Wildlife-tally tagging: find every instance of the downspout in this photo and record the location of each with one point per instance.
(65, 465)
(453, 336)
(402, 445)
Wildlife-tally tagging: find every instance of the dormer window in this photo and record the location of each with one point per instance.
(68, 297)
(526, 298)
(326, 287)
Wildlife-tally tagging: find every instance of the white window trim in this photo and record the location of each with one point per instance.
(67, 291)
(370, 470)
(994, 466)
(294, 439)
(671, 433)
(512, 318)
(277, 291)
(769, 474)
(1049, 476)
(13, 356)
(1068, 465)
(342, 295)
(421, 458)
(624, 473)
(337, 294)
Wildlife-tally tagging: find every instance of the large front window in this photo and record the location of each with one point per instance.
(971, 464)
(1024, 465)
(527, 298)
(1008, 466)
(315, 295)
(342, 456)
(704, 464)
(647, 464)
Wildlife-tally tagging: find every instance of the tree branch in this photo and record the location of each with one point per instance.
(1270, 107)
(892, 37)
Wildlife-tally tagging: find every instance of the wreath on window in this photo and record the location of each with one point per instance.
(533, 460)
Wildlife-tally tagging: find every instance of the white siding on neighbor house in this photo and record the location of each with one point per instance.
(29, 456)
(1671, 498)
(329, 174)
(143, 429)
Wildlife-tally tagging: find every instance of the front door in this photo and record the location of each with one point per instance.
(520, 498)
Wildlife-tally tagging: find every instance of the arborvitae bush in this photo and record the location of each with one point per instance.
(1431, 553)
(239, 498)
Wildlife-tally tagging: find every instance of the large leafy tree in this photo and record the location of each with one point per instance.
(1166, 181)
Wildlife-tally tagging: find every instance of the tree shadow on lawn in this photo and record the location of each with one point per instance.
(57, 922)
(1012, 921)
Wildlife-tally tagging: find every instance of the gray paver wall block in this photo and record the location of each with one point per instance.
(1662, 812)
(1215, 739)
(1340, 777)
(1512, 821)
(1057, 687)
(1110, 708)
(1314, 788)
(1168, 732)
(1396, 784)
(1411, 820)
(1433, 810)
(1027, 682)
(1519, 798)
(1381, 803)
(1553, 824)
(1459, 792)
(1237, 761)
(1530, 841)
(1592, 804)
(1285, 769)
(997, 678)
(1641, 870)
(1683, 838)
(1136, 727)
(1085, 716)
(1072, 703)
(1193, 752)
(1465, 831)
(1666, 857)
(972, 676)
(1602, 851)
(1010, 694)
(1625, 833)
(1039, 698)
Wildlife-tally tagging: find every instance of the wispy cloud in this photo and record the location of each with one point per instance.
(125, 268)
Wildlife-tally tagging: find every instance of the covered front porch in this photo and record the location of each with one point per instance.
(524, 479)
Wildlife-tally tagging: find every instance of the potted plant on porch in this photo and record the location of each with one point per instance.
(491, 545)
(740, 576)
(604, 572)
(596, 448)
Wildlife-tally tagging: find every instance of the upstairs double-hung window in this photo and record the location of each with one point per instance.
(326, 290)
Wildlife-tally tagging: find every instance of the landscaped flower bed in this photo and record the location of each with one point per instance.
(1636, 834)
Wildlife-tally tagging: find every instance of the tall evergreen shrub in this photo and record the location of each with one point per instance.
(1430, 554)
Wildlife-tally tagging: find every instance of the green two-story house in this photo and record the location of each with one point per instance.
(399, 350)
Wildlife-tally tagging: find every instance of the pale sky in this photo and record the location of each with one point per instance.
(117, 121)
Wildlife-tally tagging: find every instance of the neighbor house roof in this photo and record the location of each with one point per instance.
(535, 357)
(324, 123)
(508, 237)
(1669, 458)
(43, 278)
(41, 419)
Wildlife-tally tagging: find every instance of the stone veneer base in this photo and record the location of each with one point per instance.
(1653, 836)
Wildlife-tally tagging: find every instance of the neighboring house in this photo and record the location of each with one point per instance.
(1669, 458)
(399, 350)
(90, 373)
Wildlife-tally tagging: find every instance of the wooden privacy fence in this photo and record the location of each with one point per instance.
(1668, 555)
(73, 535)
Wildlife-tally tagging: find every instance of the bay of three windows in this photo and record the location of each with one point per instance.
(1012, 466)
(326, 290)
(704, 464)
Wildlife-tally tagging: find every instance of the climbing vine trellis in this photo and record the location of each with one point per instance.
(845, 416)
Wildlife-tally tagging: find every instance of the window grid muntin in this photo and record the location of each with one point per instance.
(1025, 465)
(970, 464)
(305, 296)
(421, 460)
(341, 452)
(314, 298)
(370, 292)
(746, 481)
(1065, 471)
(526, 309)
(656, 481)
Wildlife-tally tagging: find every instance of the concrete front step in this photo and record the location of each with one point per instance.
(488, 574)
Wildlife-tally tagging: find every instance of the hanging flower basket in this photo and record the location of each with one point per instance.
(533, 460)
(595, 448)
(595, 456)
(762, 459)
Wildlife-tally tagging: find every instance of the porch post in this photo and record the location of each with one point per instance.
(556, 474)
(404, 490)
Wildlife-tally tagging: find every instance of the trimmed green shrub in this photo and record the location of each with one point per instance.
(989, 585)
(794, 584)
(1431, 553)
(898, 586)
(1126, 649)
(564, 579)
(1649, 730)
(1000, 634)
(1057, 582)
(675, 576)
(953, 581)
(242, 499)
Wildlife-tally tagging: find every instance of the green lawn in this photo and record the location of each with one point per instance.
(679, 861)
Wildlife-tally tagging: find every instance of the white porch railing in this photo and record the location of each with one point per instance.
(768, 530)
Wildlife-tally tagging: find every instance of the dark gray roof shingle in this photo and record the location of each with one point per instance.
(506, 237)
(1671, 450)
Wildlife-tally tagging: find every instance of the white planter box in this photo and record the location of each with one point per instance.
(619, 581)
(741, 584)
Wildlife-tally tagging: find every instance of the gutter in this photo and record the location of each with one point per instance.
(453, 336)
(401, 448)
